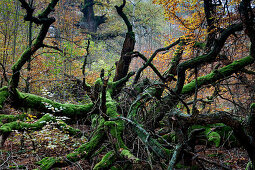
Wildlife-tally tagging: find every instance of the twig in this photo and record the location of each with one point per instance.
(9, 156)
(208, 161)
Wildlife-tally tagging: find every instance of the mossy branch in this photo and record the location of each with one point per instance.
(217, 75)
(238, 126)
(49, 106)
(42, 104)
(106, 161)
(206, 58)
(83, 152)
(157, 148)
(19, 125)
(176, 153)
(43, 20)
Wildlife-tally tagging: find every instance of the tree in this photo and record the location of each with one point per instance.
(149, 104)
(89, 20)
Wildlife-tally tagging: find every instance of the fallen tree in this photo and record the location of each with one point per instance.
(111, 123)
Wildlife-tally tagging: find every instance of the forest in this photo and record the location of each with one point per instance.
(127, 84)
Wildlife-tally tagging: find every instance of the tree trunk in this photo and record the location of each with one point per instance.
(89, 20)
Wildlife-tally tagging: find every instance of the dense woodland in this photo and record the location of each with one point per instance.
(127, 84)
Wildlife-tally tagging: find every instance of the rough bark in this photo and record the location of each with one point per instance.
(122, 66)
(89, 20)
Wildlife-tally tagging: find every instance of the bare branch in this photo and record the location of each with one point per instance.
(151, 59)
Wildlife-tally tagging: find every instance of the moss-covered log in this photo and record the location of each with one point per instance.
(83, 152)
(19, 125)
(152, 143)
(112, 129)
(240, 127)
(49, 106)
(10, 118)
(26, 100)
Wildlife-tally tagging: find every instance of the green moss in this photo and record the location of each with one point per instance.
(99, 82)
(20, 125)
(249, 166)
(128, 155)
(67, 128)
(170, 137)
(21, 60)
(218, 74)
(169, 152)
(47, 162)
(3, 95)
(217, 133)
(214, 137)
(49, 106)
(200, 45)
(116, 129)
(88, 148)
(10, 118)
(99, 151)
(84, 151)
(252, 107)
(106, 161)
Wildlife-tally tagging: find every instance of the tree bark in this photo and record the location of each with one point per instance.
(90, 21)
(122, 66)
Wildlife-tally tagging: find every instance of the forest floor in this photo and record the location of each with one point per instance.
(12, 155)
(23, 150)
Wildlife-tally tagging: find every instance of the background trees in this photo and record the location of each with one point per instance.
(173, 80)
